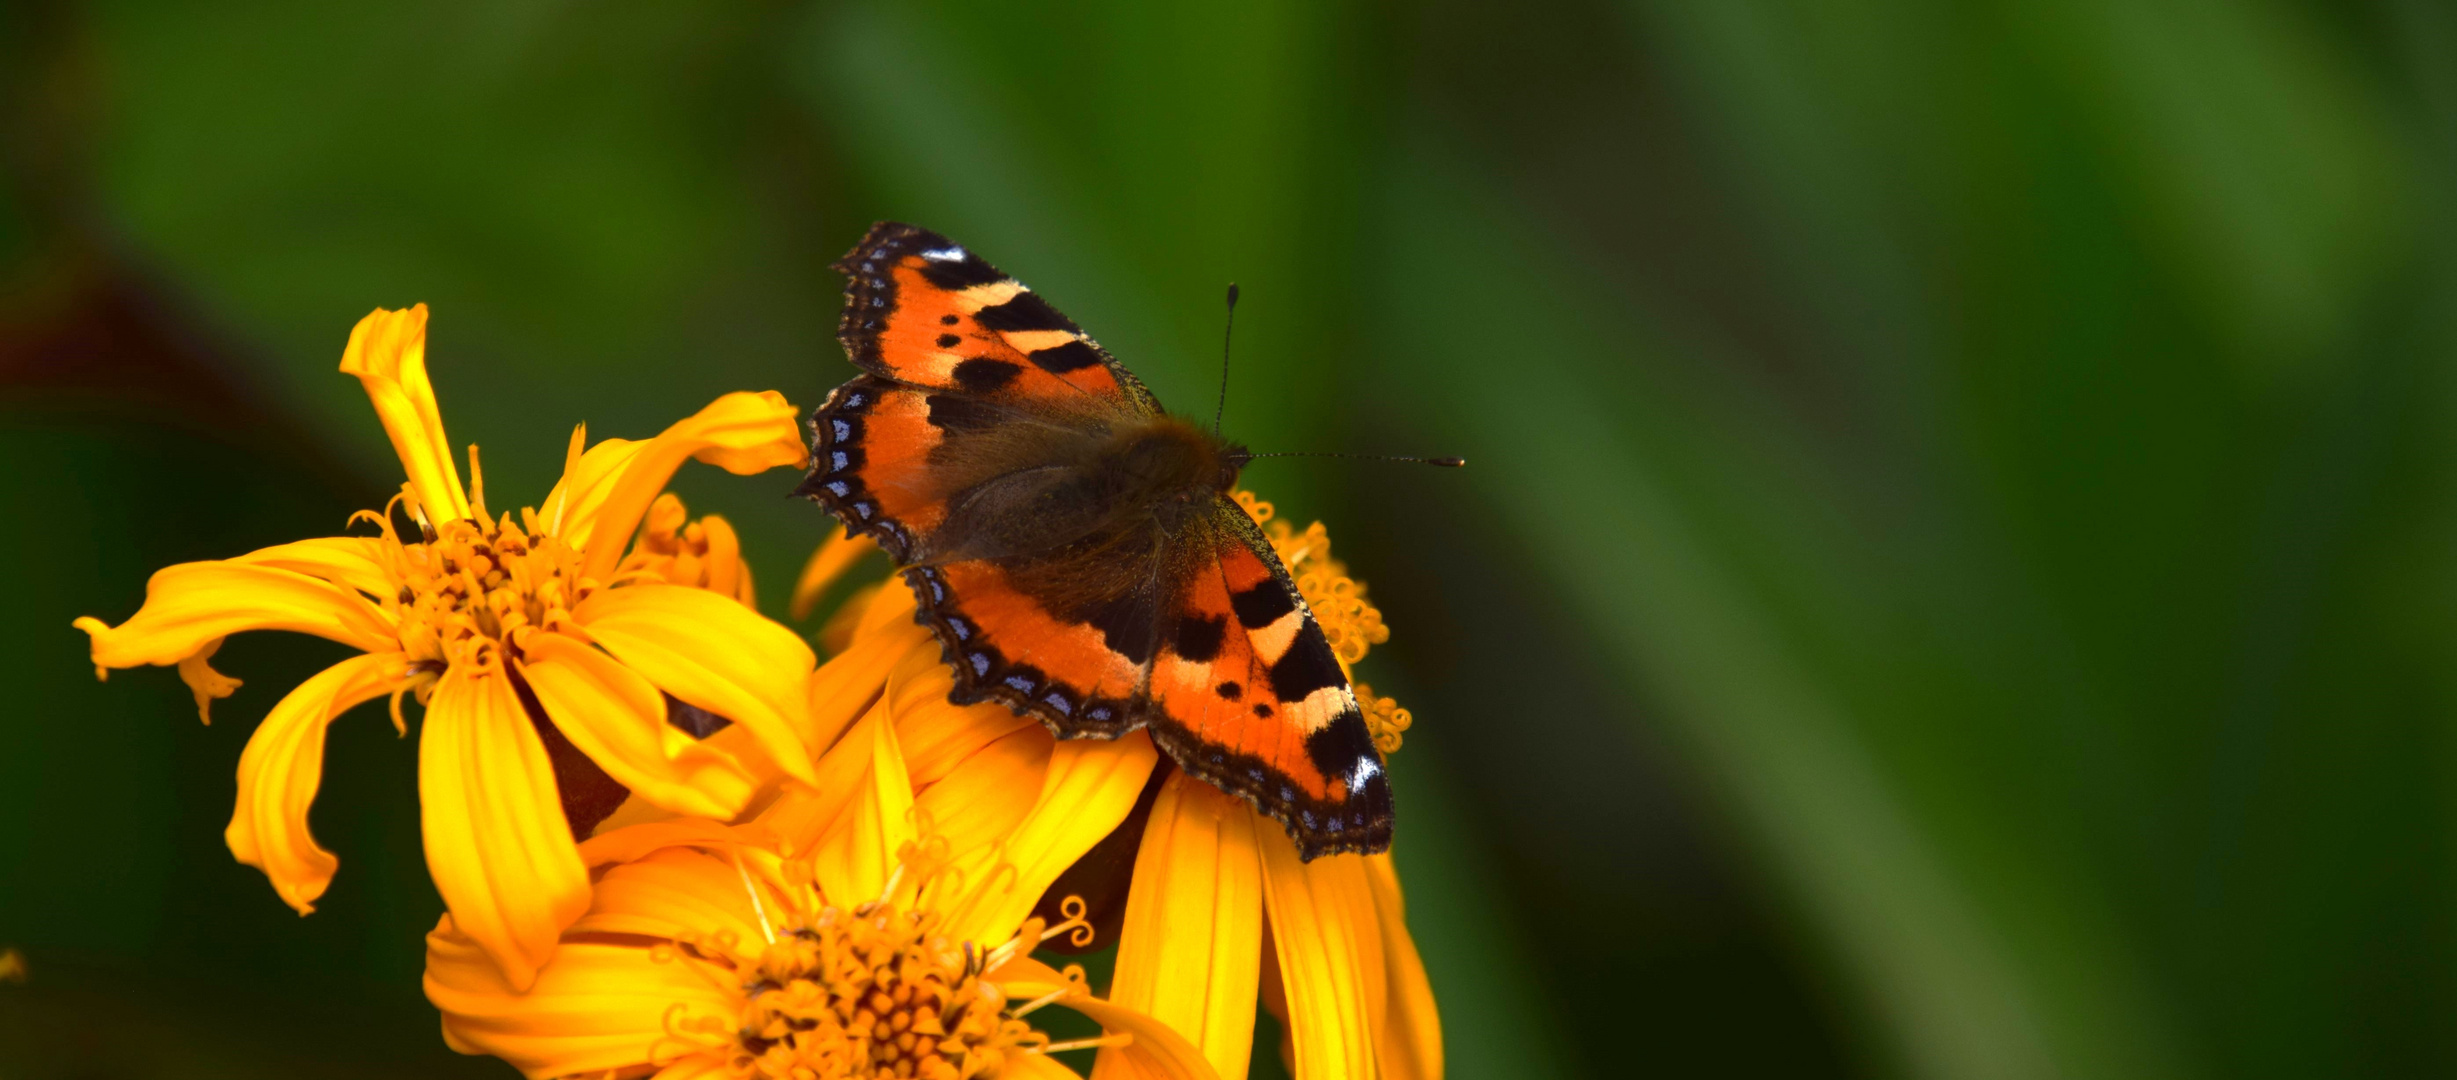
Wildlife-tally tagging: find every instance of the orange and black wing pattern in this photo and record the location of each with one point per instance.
(924, 311)
(1246, 694)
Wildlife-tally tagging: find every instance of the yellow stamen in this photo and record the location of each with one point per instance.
(1384, 718)
(1122, 1038)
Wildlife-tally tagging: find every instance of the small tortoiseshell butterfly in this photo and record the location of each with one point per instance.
(1074, 546)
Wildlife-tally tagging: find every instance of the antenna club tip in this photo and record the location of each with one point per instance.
(1232, 294)
(1447, 462)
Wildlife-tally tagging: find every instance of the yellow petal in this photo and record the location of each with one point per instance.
(190, 604)
(633, 842)
(716, 654)
(1190, 948)
(207, 684)
(497, 843)
(388, 353)
(570, 510)
(1156, 1049)
(1089, 789)
(355, 562)
(281, 769)
(833, 558)
(677, 893)
(844, 687)
(741, 433)
(805, 813)
(988, 793)
(1025, 1066)
(936, 733)
(598, 1007)
(727, 574)
(618, 719)
(853, 861)
(1411, 1037)
(1330, 956)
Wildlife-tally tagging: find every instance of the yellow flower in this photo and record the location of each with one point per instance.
(1213, 880)
(502, 626)
(849, 931)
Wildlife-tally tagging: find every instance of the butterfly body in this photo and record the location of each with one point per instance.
(1074, 547)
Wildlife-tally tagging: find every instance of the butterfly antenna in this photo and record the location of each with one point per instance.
(1438, 462)
(1226, 333)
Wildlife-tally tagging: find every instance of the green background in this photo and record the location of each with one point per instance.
(1955, 577)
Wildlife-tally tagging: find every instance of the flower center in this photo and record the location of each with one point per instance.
(471, 594)
(873, 995)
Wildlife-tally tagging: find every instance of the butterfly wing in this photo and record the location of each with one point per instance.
(973, 381)
(924, 311)
(1245, 693)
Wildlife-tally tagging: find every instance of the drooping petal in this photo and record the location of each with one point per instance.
(1329, 950)
(191, 604)
(742, 433)
(281, 769)
(1190, 949)
(1411, 1037)
(854, 859)
(1090, 787)
(618, 719)
(388, 353)
(598, 1007)
(716, 654)
(497, 843)
(356, 562)
(634, 842)
(834, 556)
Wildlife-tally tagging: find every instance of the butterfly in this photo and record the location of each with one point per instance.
(1075, 547)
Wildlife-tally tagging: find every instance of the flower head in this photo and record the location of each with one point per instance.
(839, 935)
(503, 625)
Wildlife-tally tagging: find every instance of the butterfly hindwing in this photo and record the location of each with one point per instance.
(923, 310)
(1246, 694)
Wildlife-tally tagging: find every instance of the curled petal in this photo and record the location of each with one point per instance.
(1411, 1035)
(189, 605)
(1190, 949)
(725, 572)
(1329, 949)
(618, 719)
(716, 654)
(1090, 787)
(281, 769)
(741, 433)
(388, 353)
(599, 1007)
(498, 846)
